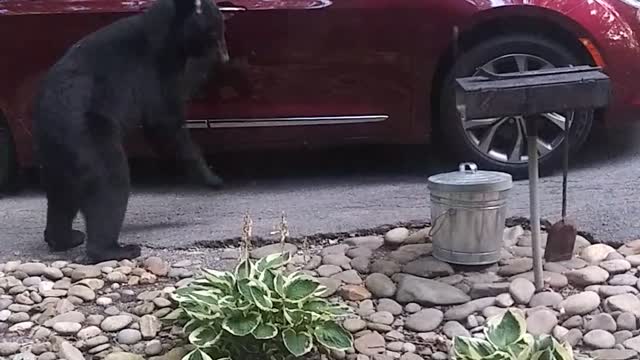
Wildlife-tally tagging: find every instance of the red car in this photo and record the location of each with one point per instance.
(327, 72)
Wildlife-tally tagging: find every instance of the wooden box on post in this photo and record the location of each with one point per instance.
(532, 92)
(489, 95)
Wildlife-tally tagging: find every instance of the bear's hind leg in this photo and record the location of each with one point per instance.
(62, 208)
(104, 209)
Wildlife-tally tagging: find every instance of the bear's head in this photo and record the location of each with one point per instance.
(203, 28)
(194, 30)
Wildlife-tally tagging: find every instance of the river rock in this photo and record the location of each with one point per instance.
(123, 356)
(596, 253)
(86, 272)
(581, 303)
(522, 290)
(408, 253)
(380, 285)
(69, 352)
(67, 328)
(9, 348)
(372, 242)
(88, 332)
(159, 267)
(602, 321)
(354, 293)
(360, 264)
(424, 320)
(625, 303)
(428, 267)
(589, 275)
(615, 266)
(82, 292)
(153, 347)
(116, 323)
(607, 290)
(370, 344)
(129, 336)
(386, 267)
(599, 339)
(461, 312)
(453, 328)
(354, 325)
(349, 277)
(516, 266)
(150, 326)
(328, 270)
(32, 269)
(390, 306)
(614, 354)
(541, 322)
(397, 236)
(428, 292)
(552, 279)
(71, 316)
(626, 321)
(546, 298)
(623, 280)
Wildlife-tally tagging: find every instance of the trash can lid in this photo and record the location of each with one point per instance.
(468, 178)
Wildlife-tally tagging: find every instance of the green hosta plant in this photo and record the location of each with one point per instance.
(507, 339)
(257, 312)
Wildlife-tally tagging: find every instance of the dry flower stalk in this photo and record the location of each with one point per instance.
(247, 229)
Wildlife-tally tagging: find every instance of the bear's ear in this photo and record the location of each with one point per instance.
(184, 8)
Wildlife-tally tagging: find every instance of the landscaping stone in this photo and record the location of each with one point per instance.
(370, 344)
(428, 267)
(380, 285)
(599, 339)
(581, 303)
(589, 275)
(521, 290)
(428, 292)
(541, 322)
(396, 237)
(116, 323)
(424, 320)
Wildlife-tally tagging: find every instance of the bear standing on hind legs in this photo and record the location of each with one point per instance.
(126, 74)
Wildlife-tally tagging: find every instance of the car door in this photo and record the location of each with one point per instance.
(305, 71)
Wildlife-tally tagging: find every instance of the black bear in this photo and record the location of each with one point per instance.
(130, 73)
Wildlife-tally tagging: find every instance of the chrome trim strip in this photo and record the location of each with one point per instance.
(285, 121)
(196, 124)
(231, 8)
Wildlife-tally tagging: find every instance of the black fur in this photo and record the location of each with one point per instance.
(124, 75)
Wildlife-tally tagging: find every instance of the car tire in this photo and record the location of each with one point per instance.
(505, 54)
(7, 159)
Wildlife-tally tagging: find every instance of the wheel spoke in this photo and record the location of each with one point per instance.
(490, 67)
(557, 119)
(487, 138)
(479, 123)
(516, 152)
(521, 62)
(543, 147)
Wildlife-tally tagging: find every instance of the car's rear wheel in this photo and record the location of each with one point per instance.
(501, 143)
(7, 158)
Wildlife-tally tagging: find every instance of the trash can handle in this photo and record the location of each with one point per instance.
(472, 167)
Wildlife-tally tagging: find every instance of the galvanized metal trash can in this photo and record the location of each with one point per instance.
(468, 211)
